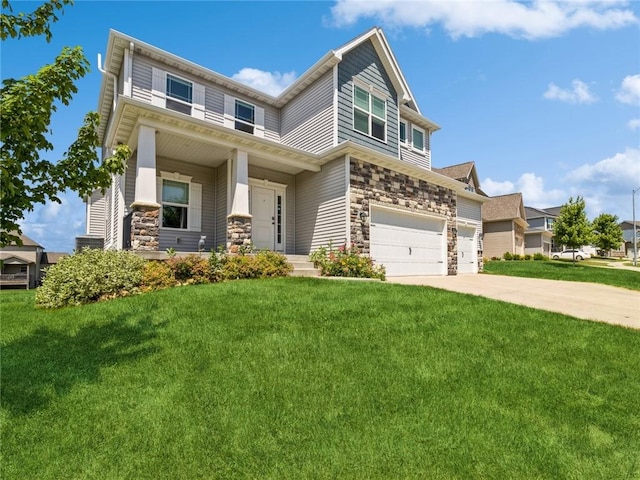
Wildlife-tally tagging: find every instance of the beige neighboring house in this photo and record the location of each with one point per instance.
(23, 265)
(504, 224)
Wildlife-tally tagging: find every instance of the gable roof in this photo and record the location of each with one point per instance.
(462, 172)
(553, 211)
(13, 259)
(504, 207)
(533, 212)
(26, 241)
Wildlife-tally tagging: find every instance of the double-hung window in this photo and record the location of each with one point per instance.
(403, 132)
(369, 113)
(179, 94)
(175, 204)
(245, 116)
(417, 138)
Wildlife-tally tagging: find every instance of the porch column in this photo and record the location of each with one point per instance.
(239, 218)
(145, 218)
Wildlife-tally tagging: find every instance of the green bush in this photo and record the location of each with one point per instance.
(507, 256)
(191, 270)
(157, 275)
(517, 256)
(540, 256)
(88, 276)
(263, 264)
(346, 262)
(527, 256)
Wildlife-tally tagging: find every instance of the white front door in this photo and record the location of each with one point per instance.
(263, 217)
(467, 251)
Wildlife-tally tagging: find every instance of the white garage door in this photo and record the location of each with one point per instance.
(467, 251)
(408, 244)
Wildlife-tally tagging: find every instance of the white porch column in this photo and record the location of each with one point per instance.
(239, 184)
(145, 194)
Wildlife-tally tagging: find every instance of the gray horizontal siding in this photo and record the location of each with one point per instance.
(290, 200)
(363, 63)
(321, 207)
(97, 213)
(141, 78)
(206, 177)
(415, 158)
(471, 211)
(307, 120)
(221, 206)
(214, 105)
(130, 181)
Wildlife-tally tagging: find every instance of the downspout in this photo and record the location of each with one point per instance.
(113, 77)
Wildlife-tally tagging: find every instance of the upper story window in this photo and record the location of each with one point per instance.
(403, 132)
(549, 223)
(369, 113)
(179, 94)
(245, 115)
(417, 137)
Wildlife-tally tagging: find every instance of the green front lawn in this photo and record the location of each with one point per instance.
(565, 270)
(311, 378)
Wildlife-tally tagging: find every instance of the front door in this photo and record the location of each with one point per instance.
(263, 217)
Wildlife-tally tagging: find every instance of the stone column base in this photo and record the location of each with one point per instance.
(145, 227)
(238, 231)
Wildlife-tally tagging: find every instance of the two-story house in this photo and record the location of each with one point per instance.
(341, 156)
(538, 238)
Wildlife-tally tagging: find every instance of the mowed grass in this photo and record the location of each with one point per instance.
(565, 270)
(311, 378)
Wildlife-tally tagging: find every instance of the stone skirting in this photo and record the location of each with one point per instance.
(238, 231)
(374, 185)
(145, 228)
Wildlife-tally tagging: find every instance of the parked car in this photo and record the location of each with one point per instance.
(568, 254)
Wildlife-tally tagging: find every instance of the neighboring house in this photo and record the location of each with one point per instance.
(538, 238)
(504, 224)
(23, 265)
(469, 218)
(342, 155)
(627, 234)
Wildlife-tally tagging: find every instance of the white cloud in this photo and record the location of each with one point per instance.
(634, 123)
(272, 83)
(55, 225)
(464, 18)
(532, 188)
(579, 93)
(620, 172)
(629, 90)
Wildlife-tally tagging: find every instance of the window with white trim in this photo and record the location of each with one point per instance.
(417, 138)
(181, 202)
(403, 132)
(179, 94)
(245, 116)
(369, 113)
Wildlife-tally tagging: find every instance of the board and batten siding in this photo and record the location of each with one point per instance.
(320, 207)
(307, 120)
(259, 173)
(364, 64)
(142, 87)
(96, 216)
(206, 177)
(470, 211)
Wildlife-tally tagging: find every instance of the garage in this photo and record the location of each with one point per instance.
(408, 243)
(467, 251)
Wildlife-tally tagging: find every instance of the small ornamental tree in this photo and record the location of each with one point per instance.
(27, 103)
(572, 228)
(607, 233)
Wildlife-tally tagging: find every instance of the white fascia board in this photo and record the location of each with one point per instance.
(418, 118)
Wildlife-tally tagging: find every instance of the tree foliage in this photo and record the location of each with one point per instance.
(27, 103)
(572, 228)
(607, 232)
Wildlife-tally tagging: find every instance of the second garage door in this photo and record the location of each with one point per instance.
(407, 243)
(467, 262)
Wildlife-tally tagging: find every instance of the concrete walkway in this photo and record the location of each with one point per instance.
(588, 301)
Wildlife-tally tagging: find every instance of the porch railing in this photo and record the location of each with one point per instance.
(14, 278)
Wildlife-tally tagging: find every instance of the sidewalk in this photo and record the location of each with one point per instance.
(588, 301)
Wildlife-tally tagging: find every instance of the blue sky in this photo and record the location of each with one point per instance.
(543, 96)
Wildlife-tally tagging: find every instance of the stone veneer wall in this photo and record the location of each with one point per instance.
(145, 229)
(238, 232)
(374, 185)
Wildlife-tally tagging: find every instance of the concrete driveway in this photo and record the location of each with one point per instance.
(589, 301)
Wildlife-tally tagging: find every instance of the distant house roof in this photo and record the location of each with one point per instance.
(26, 241)
(628, 225)
(554, 211)
(50, 258)
(504, 207)
(533, 212)
(463, 172)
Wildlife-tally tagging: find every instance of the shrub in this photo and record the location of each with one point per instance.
(527, 256)
(157, 275)
(517, 256)
(540, 256)
(88, 276)
(191, 270)
(346, 262)
(507, 256)
(263, 264)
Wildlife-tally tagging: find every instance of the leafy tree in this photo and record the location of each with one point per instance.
(27, 103)
(572, 228)
(607, 232)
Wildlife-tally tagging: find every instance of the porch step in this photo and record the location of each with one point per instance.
(302, 267)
